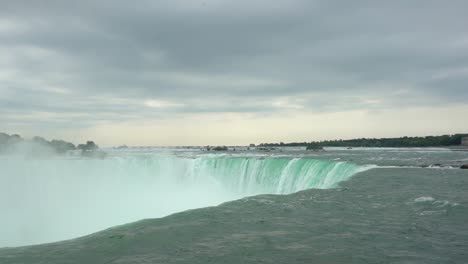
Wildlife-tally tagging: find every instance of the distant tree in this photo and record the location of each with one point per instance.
(89, 146)
(40, 140)
(7, 143)
(62, 146)
(428, 141)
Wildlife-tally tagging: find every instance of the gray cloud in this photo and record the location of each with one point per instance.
(117, 60)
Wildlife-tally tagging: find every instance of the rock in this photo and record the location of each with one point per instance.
(464, 166)
(223, 148)
(314, 147)
(317, 149)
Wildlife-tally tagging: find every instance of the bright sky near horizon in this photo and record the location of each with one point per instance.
(175, 72)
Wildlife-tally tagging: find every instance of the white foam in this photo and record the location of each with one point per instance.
(91, 195)
(424, 199)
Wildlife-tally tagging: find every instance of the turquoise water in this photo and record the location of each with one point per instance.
(388, 205)
(93, 194)
(382, 215)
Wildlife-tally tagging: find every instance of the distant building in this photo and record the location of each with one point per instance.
(252, 145)
(464, 141)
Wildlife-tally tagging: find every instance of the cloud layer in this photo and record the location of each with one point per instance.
(82, 64)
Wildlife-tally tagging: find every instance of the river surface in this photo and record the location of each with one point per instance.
(291, 206)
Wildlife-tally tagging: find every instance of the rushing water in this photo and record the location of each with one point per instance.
(51, 199)
(69, 197)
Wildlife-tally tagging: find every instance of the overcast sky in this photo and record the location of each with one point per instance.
(232, 72)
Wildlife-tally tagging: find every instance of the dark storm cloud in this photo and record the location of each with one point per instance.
(103, 59)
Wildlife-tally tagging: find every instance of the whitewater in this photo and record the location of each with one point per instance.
(179, 205)
(50, 199)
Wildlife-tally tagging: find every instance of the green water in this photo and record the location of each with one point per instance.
(379, 216)
(93, 194)
(274, 175)
(338, 206)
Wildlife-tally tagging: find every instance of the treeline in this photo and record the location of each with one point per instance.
(12, 143)
(429, 141)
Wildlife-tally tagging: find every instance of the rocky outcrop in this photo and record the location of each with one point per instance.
(315, 148)
(219, 148)
(464, 166)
